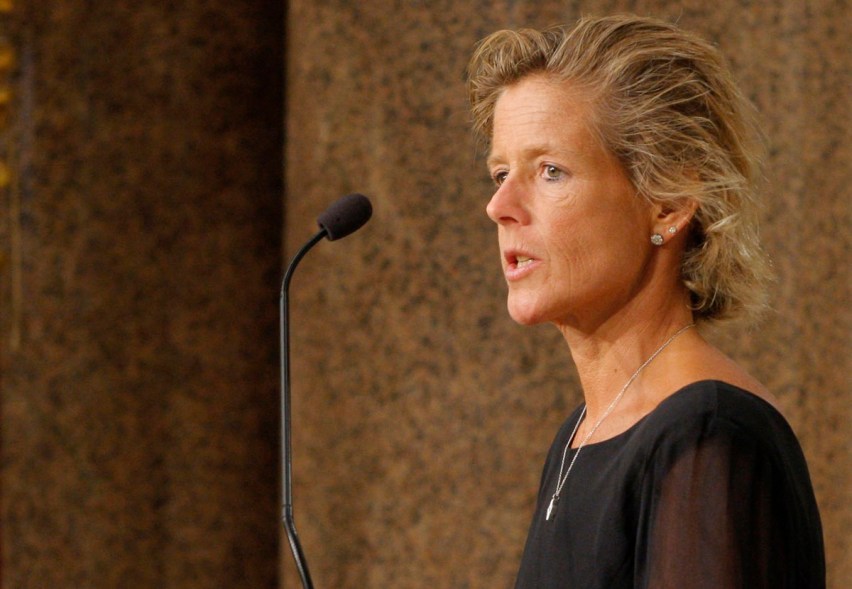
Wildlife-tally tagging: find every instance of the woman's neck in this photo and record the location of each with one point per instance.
(608, 355)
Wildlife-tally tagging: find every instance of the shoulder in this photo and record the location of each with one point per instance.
(714, 432)
(719, 459)
(712, 410)
(722, 403)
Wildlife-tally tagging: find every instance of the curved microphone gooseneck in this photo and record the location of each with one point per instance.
(344, 216)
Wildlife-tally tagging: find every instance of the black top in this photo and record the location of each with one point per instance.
(710, 490)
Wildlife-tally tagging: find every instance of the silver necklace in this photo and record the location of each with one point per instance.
(560, 482)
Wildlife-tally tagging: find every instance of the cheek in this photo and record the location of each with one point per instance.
(613, 228)
(586, 254)
(571, 240)
(573, 257)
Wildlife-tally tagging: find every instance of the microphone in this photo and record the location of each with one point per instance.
(343, 217)
(346, 215)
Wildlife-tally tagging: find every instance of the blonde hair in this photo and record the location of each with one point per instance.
(667, 106)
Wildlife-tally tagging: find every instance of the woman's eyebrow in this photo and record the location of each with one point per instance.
(535, 151)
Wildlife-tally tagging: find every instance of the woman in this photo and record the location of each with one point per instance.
(624, 159)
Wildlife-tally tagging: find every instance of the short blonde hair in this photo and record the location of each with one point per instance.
(667, 106)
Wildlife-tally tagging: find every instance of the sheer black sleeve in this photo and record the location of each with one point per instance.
(724, 506)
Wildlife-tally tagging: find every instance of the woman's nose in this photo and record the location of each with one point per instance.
(506, 205)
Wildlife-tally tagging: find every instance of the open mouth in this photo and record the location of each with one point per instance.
(518, 264)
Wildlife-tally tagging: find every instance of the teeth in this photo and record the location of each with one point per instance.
(522, 261)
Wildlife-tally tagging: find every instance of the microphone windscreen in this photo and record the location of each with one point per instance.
(346, 215)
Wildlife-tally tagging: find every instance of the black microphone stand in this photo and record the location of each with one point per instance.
(286, 448)
(345, 215)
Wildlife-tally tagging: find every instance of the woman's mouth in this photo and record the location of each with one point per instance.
(519, 265)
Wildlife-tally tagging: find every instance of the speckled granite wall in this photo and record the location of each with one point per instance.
(140, 266)
(422, 413)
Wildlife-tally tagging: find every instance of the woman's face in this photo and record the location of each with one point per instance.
(573, 233)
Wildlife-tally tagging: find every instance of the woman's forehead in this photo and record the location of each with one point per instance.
(537, 114)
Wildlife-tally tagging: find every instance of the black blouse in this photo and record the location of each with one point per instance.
(710, 490)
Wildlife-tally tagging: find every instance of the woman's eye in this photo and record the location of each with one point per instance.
(499, 177)
(551, 172)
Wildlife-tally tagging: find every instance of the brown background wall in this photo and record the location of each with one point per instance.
(140, 264)
(141, 251)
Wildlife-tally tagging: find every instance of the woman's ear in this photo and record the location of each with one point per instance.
(671, 219)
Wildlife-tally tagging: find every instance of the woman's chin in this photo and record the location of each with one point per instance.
(524, 314)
